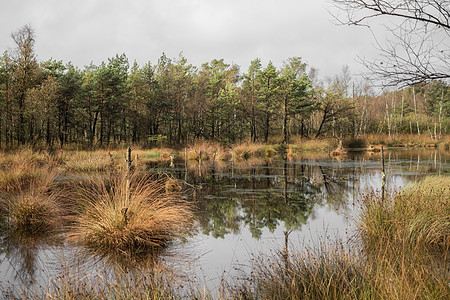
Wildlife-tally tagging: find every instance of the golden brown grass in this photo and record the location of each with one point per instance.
(211, 151)
(420, 214)
(406, 140)
(24, 155)
(313, 145)
(35, 208)
(31, 214)
(86, 161)
(247, 151)
(110, 220)
(400, 252)
(335, 271)
(21, 170)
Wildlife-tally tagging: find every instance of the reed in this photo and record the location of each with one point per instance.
(418, 215)
(337, 271)
(135, 220)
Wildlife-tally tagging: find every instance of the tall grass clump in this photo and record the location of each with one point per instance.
(323, 273)
(21, 170)
(85, 161)
(24, 155)
(246, 151)
(132, 220)
(419, 214)
(20, 176)
(338, 271)
(36, 209)
(207, 150)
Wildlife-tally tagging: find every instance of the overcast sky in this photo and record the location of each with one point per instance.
(236, 30)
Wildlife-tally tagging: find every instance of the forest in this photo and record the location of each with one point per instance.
(51, 103)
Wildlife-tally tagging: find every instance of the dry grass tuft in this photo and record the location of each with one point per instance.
(23, 169)
(34, 214)
(211, 151)
(26, 156)
(85, 161)
(35, 207)
(111, 220)
(247, 151)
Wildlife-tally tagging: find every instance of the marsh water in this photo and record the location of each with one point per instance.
(243, 209)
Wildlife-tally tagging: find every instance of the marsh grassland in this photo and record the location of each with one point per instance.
(125, 221)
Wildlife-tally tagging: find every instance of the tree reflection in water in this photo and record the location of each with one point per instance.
(266, 196)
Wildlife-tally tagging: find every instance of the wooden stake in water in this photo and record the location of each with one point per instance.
(172, 165)
(232, 163)
(129, 161)
(200, 164)
(185, 164)
(383, 174)
(286, 250)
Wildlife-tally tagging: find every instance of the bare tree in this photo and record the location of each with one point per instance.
(24, 74)
(418, 49)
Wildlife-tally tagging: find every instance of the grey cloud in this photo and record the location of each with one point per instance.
(236, 30)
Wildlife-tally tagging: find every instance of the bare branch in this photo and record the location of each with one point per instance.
(418, 49)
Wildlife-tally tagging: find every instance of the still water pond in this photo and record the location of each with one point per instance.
(243, 209)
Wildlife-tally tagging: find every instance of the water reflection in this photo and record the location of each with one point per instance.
(265, 196)
(24, 254)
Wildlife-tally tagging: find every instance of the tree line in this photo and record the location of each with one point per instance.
(53, 103)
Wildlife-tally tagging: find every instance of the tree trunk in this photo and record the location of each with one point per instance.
(415, 111)
(285, 120)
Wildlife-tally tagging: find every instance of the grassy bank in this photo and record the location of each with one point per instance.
(408, 140)
(419, 215)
